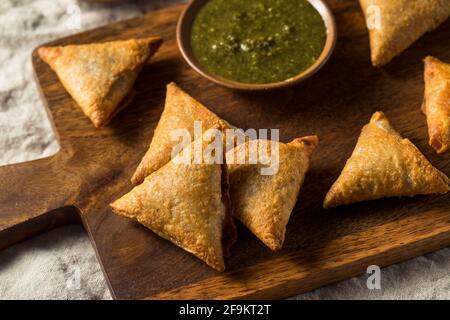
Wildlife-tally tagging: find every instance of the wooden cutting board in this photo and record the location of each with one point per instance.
(94, 166)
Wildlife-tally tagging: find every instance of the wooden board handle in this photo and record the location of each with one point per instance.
(34, 197)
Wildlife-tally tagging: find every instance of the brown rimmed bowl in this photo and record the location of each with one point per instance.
(184, 28)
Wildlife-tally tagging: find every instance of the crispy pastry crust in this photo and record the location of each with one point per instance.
(100, 76)
(436, 104)
(382, 165)
(180, 112)
(187, 204)
(264, 203)
(402, 23)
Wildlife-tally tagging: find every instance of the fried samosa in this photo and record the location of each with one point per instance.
(383, 164)
(264, 202)
(181, 111)
(188, 204)
(436, 104)
(395, 24)
(100, 76)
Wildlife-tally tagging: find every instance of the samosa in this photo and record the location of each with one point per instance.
(395, 24)
(436, 104)
(181, 111)
(383, 164)
(187, 202)
(100, 76)
(263, 200)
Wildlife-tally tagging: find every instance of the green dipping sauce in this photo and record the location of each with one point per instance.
(257, 41)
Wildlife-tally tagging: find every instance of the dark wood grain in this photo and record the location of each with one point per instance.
(322, 246)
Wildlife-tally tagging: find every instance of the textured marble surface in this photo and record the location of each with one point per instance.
(61, 264)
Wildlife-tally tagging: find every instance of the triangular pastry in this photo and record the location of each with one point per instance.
(436, 104)
(100, 76)
(264, 203)
(181, 111)
(401, 22)
(187, 204)
(383, 164)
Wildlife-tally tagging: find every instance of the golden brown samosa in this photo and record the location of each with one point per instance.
(188, 204)
(436, 104)
(100, 76)
(264, 203)
(400, 23)
(383, 164)
(180, 112)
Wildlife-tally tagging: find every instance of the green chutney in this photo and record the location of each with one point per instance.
(257, 41)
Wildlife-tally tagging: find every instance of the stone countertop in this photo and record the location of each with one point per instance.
(61, 264)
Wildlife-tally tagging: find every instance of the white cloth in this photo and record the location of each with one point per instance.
(61, 264)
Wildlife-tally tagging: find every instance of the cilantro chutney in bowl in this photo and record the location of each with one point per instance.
(256, 44)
